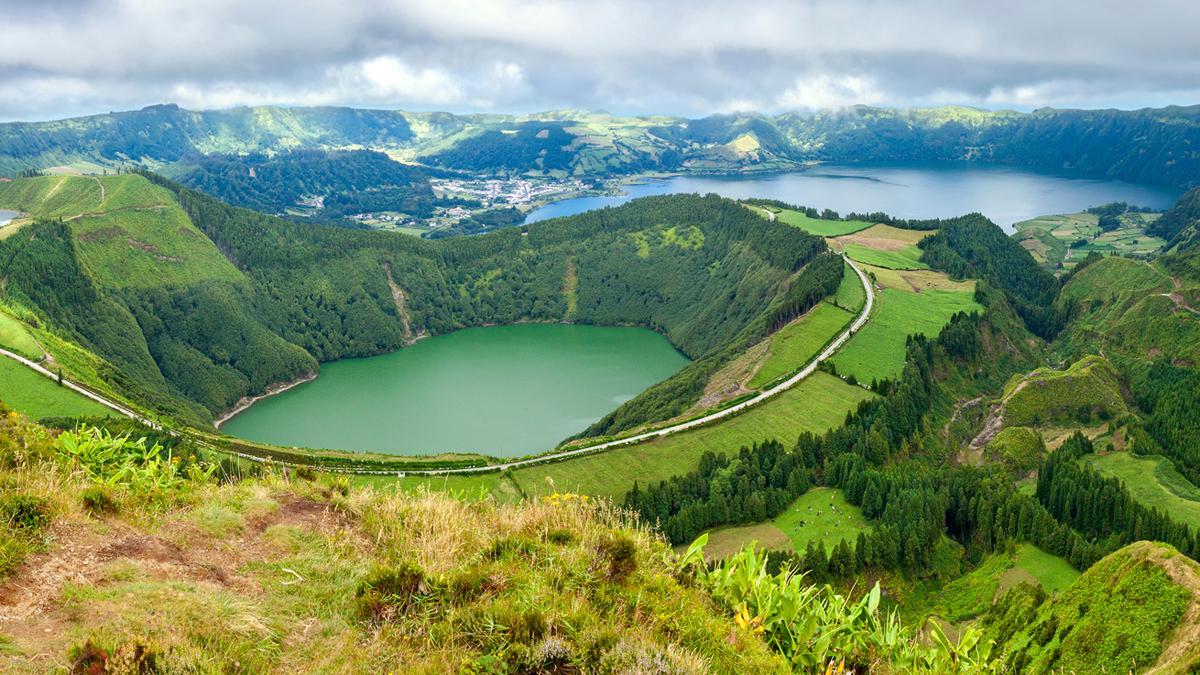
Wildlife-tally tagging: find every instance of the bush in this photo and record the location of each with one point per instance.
(618, 555)
(25, 512)
(560, 537)
(387, 592)
(98, 499)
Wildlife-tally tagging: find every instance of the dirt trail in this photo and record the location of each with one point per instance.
(86, 552)
(103, 194)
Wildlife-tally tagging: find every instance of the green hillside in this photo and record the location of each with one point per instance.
(1128, 609)
(1086, 391)
(1147, 145)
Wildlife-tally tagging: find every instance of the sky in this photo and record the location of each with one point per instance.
(61, 58)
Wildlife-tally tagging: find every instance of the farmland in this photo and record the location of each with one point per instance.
(877, 351)
(1062, 241)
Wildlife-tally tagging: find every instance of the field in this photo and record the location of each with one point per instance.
(877, 350)
(819, 227)
(798, 342)
(1053, 240)
(28, 392)
(123, 234)
(1154, 482)
(822, 515)
(817, 404)
(16, 338)
(904, 259)
(726, 541)
(850, 294)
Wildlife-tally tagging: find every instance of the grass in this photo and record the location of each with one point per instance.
(850, 294)
(1087, 390)
(906, 258)
(31, 393)
(819, 227)
(824, 516)
(916, 281)
(794, 345)
(970, 595)
(877, 350)
(15, 337)
(726, 541)
(137, 236)
(275, 575)
(1154, 482)
(817, 404)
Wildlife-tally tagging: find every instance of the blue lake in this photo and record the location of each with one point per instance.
(1007, 195)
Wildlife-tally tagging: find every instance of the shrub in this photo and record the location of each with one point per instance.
(25, 512)
(387, 592)
(306, 473)
(560, 537)
(98, 499)
(618, 557)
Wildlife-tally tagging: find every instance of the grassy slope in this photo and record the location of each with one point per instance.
(817, 404)
(269, 575)
(36, 396)
(137, 236)
(1154, 482)
(877, 351)
(798, 342)
(906, 258)
(1047, 394)
(15, 337)
(1120, 613)
(824, 228)
(1122, 310)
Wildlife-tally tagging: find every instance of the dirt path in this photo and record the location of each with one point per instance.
(103, 194)
(398, 299)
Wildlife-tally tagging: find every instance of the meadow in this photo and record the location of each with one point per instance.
(877, 350)
(824, 516)
(1153, 481)
(817, 404)
(33, 394)
(16, 338)
(820, 227)
(907, 258)
(794, 345)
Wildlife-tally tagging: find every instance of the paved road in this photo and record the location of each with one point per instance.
(599, 447)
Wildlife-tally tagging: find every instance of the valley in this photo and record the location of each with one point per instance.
(950, 403)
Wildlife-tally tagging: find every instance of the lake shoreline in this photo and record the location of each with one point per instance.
(245, 402)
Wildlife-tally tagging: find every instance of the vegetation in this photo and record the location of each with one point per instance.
(1142, 145)
(1121, 611)
(904, 259)
(1086, 392)
(797, 343)
(36, 396)
(821, 516)
(1154, 482)
(1053, 240)
(877, 351)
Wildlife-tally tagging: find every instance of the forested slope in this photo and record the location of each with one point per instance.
(1149, 145)
(203, 303)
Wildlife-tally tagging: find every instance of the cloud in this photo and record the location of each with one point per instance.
(66, 57)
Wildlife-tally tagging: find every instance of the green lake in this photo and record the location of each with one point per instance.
(504, 391)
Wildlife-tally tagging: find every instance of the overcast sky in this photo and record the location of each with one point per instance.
(68, 57)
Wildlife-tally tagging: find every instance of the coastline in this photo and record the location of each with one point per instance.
(247, 401)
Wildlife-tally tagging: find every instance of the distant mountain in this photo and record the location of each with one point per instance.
(1149, 145)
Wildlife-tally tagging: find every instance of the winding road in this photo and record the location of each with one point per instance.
(761, 397)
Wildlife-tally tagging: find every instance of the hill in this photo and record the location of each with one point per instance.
(1142, 145)
(197, 304)
(1138, 607)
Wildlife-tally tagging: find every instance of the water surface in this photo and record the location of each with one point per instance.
(505, 390)
(7, 216)
(1007, 195)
